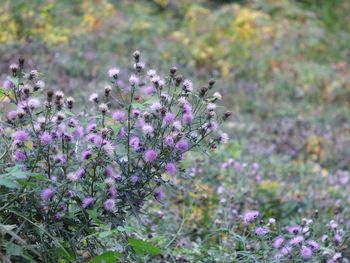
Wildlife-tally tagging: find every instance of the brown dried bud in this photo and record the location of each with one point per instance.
(21, 62)
(227, 114)
(26, 90)
(173, 71)
(49, 95)
(203, 91)
(136, 55)
(70, 102)
(14, 69)
(163, 111)
(211, 83)
(108, 90)
(178, 80)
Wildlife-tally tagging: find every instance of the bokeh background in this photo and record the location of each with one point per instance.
(282, 67)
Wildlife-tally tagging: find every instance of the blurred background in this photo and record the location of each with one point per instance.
(282, 67)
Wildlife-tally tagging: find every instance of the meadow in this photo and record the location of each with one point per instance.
(175, 131)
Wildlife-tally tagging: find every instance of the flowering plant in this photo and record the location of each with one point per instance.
(63, 173)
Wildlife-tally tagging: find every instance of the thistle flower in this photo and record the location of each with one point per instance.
(78, 133)
(217, 96)
(113, 73)
(108, 148)
(46, 138)
(103, 107)
(39, 85)
(169, 140)
(295, 230)
(150, 156)
(186, 108)
(159, 194)
(8, 84)
(93, 97)
(261, 231)
(169, 118)
(73, 176)
(278, 242)
(109, 205)
(187, 118)
(313, 245)
(305, 253)
(135, 143)
(211, 106)
(20, 136)
(171, 168)
(119, 116)
(147, 129)
(250, 217)
(182, 145)
(156, 106)
(20, 156)
(133, 80)
(11, 115)
(187, 85)
(87, 154)
(47, 194)
(296, 240)
(177, 125)
(88, 202)
(134, 179)
(91, 127)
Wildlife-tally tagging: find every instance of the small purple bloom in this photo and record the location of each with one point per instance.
(119, 116)
(250, 216)
(12, 115)
(182, 145)
(121, 133)
(8, 84)
(171, 168)
(169, 118)
(91, 127)
(306, 253)
(46, 138)
(20, 136)
(78, 133)
(135, 143)
(169, 140)
(88, 202)
(261, 231)
(112, 192)
(109, 205)
(187, 118)
(278, 242)
(313, 245)
(47, 194)
(295, 230)
(150, 156)
(296, 240)
(87, 154)
(109, 171)
(159, 194)
(134, 179)
(20, 156)
(187, 108)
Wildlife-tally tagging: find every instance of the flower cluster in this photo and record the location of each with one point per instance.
(104, 164)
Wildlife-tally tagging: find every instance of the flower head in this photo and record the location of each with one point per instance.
(47, 194)
(46, 138)
(119, 116)
(171, 168)
(20, 136)
(306, 253)
(109, 205)
(250, 216)
(88, 202)
(113, 73)
(150, 156)
(182, 145)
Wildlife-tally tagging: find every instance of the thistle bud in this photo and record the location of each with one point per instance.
(26, 90)
(203, 91)
(108, 90)
(14, 69)
(173, 71)
(103, 108)
(39, 85)
(21, 62)
(211, 83)
(33, 74)
(49, 95)
(136, 55)
(178, 80)
(226, 115)
(70, 102)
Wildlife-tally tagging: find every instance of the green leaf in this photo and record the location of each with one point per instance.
(7, 183)
(13, 250)
(106, 257)
(142, 247)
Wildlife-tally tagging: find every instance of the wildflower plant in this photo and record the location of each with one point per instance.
(65, 173)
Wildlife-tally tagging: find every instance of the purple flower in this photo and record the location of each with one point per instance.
(20, 156)
(169, 118)
(278, 242)
(306, 253)
(121, 133)
(113, 73)
(46, 138)
(119, 116)
(250, 216)
(20, 136)
(159, 194)
(87, 154)
(295, 230)
(171, 168)
(12, 115)
(169, 140)
(109, 171)
(8, 84)
(78, 133)
(187, 108)
(261, 231)
(155, 107)
(134, 179)
(187, 118)
(147, 129)
(47, 194)
(108, 147)
(296, 240)
(150, 156)
(109, 205)
(91, 127)
(182, 145)
(60, 158)
(81, 172)
(135, 143)
(112, 192)
(88, 202)
(313, 245)
(149, 90)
